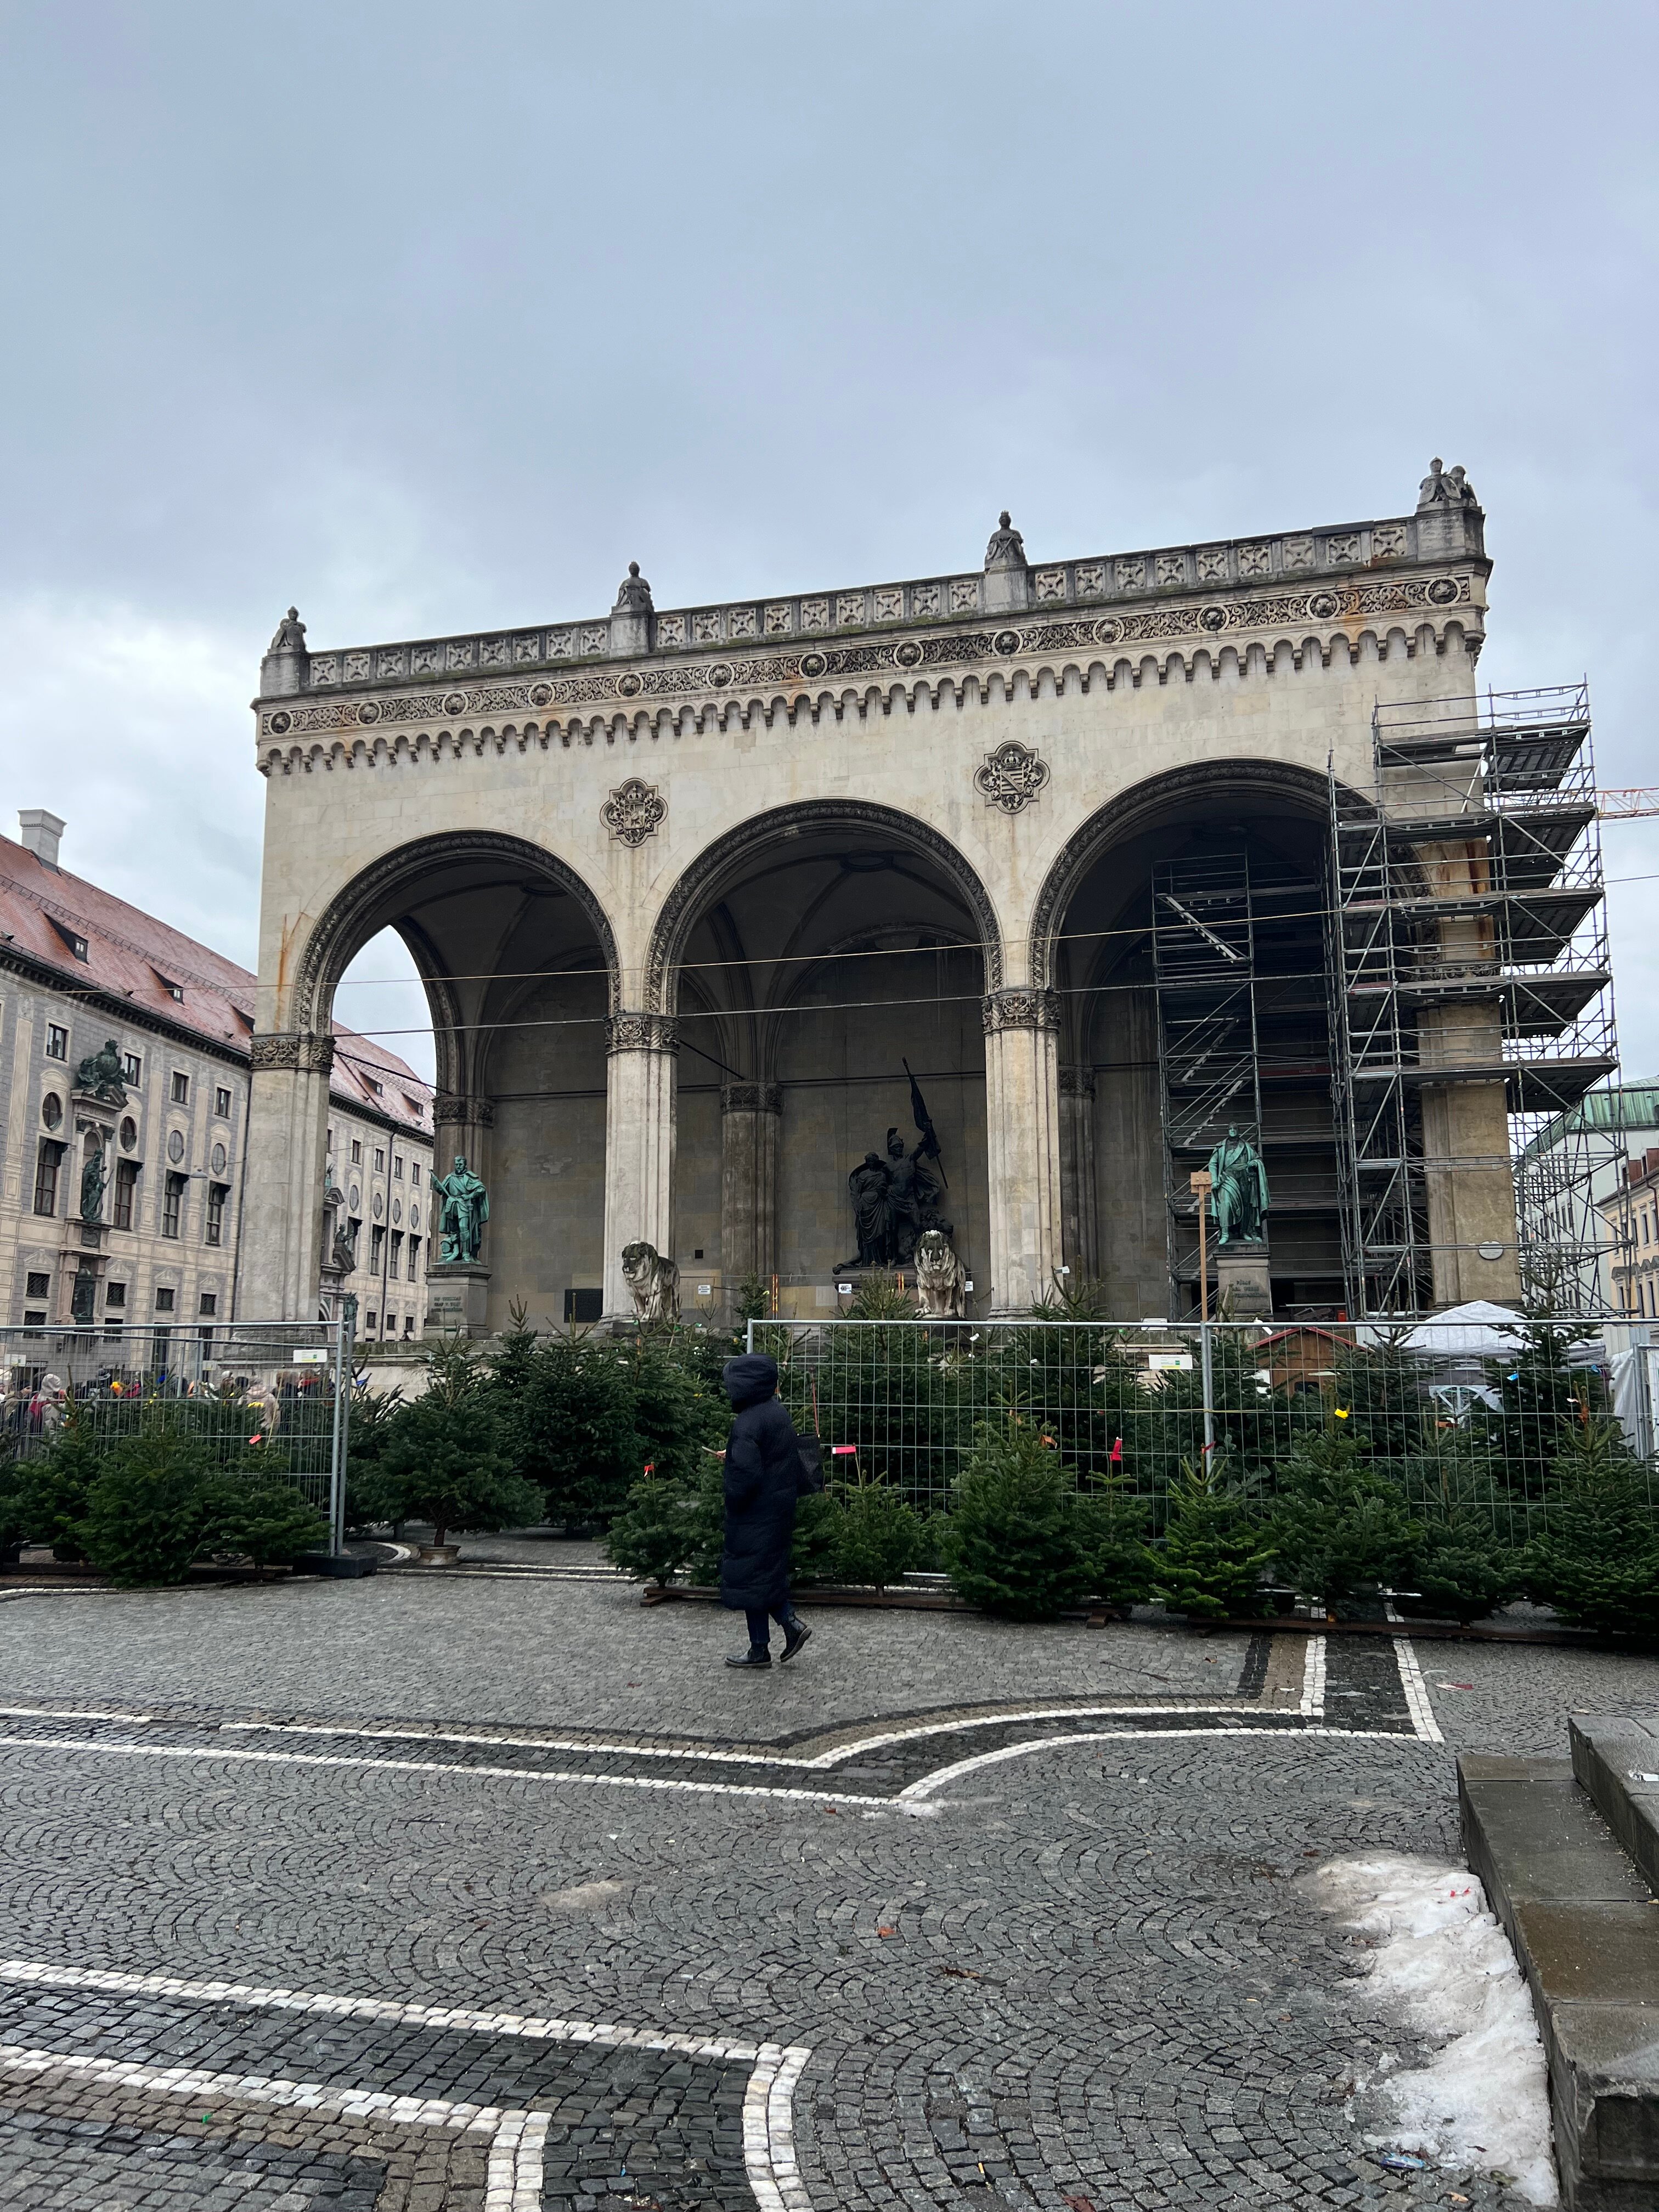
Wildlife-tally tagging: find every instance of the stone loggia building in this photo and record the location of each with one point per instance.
(1115, 852)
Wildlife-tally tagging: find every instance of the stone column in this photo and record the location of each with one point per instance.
(751, 1116)
(1079, 1204)
(280, 1251)
(639, 1145)
(1022, 1118)
(1469, 1183)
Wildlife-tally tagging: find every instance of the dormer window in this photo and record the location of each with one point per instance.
(173, 990)
(72, 938)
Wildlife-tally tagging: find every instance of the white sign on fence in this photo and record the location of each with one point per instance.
(311, 1359)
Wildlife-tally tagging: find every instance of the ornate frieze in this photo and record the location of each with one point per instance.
(1011, 777)
(1201, 620)
(1020, 1010)
(633, 811)
(751, 1098)
(301, 1050)
(631, 1032)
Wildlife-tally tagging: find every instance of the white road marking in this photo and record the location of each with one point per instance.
(769, 2108)
(1417, 1691)
(915, 1792)
(1312, 1680)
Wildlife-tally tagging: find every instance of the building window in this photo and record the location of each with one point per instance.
(115, 1294)
(172, 1204)
(210, 1302)
(164, 1301)
(34, 1321)
(215, 1230)
(222, 1104)
(331, 1140)
(369, 1323)
(376, 1246)
(356, 1151)
(126, 1192)
(45, 1175)
(180, 1087)
(415, 1174)
(414, 1259)
(57, 1041)
(355, 1227)
(397, 1267)
(132, 1068)
(380, 1161)
(38, 1286)
(397, 1167)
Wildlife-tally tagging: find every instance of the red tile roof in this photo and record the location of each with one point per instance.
(47, 915)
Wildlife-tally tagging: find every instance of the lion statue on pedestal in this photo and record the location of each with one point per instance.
(941, 1278)
(654, 1283)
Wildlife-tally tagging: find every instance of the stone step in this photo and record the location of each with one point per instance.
(1615, 1756)
(1584, 1925)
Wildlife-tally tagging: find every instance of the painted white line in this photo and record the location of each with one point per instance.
(64, 1713)
(516, 2172)
(914, 1792)
(211, 1752)
(1312, 1680)
(816, 1764)
(1417, 1691)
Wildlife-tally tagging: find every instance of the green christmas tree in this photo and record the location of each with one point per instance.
(1338, 1523)
(1013, 1544)
(1598, 1560)
(1214, 1548)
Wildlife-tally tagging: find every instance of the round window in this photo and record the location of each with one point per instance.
(129, 1133)
(379, 1204)
(356, 1200)
(176, 1146)
(51, 1110)
(219, 1157)
(414, 1217)
(397, 1209)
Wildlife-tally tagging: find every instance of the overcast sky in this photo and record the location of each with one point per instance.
(433, 317)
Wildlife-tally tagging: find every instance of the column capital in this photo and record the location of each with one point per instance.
(302, 1050)
(638, 1032)
(751, 1098)
(451, 1106)
(1020, 1010)
(1077, 1082)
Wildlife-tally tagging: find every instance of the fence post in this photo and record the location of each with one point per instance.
(1204, 1329)
(345, 1331)
(749, 1334)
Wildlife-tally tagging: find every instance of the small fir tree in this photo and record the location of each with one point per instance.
(52, 1491)
(1462, 1567)
(268, 1521)
(1597, 1562)
(1111, 1534)
(1012, 1546)
(1214, 1547)
(1338, 1524)
(879, 1536)
(157, 1506)
(656, 1533)
(444, 1457)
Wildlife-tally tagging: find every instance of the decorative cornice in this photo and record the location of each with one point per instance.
(302, 1050)
(449, 1106)
(751, 1098)
(1207, 622)
(1441, 533)
(641, 1032)
(1020, 1010)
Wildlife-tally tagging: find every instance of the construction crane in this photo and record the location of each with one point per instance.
(1628, 806)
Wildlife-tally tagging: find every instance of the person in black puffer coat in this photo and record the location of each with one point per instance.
(762, 1466)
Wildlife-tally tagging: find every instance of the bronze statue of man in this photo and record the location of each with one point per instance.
(465, 1209)
(1238, 1189)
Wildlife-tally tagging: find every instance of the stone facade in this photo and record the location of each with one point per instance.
(78, 968)
(641, 860)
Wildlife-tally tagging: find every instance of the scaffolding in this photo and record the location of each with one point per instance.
(1468, 946)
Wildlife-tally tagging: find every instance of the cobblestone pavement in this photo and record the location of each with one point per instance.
(428, 1892)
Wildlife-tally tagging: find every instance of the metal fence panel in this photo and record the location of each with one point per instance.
(1481, 1409)
(287, 1382)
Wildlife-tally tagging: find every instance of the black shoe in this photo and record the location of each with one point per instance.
(793, 1636)
(752, 1658)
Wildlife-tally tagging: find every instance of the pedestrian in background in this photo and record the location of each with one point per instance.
(762, 1476)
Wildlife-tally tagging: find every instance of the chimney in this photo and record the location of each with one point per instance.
(41, 832)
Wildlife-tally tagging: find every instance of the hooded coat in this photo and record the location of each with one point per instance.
(761, 1475)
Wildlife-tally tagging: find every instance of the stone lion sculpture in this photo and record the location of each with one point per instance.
(940, 1277)
(654, 1283)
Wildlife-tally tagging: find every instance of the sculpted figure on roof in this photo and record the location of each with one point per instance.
(1007, 548)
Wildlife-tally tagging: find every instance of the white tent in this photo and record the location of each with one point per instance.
(1479, 1330)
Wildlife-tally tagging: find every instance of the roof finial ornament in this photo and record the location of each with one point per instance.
(634, 594)
(1007, 548)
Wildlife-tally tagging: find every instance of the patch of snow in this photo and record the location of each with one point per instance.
(1442, 1966)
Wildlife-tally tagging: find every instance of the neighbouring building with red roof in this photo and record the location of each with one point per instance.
(123, 1082)
(1631, 1215)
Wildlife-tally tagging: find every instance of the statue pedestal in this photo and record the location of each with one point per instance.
(1242, 1286)
(457, 1298)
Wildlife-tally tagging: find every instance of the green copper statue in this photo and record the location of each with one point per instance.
(98, 1076)
(1238, 1189)
(92, 1185)
(465, 1210)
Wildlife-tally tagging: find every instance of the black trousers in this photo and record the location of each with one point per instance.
(760, 1633)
